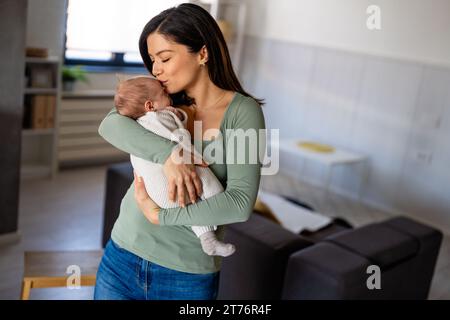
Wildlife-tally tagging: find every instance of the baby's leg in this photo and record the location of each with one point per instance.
(210, 244)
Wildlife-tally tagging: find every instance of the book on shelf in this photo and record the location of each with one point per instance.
(50, 112)
(38, 110)
(42, 111)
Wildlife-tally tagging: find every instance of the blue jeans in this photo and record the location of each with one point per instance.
(124, 276)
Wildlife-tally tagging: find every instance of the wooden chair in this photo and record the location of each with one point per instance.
(45, 269)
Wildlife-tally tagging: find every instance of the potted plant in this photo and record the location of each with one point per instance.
(72, 74)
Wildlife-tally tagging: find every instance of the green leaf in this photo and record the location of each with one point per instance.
(75, 73)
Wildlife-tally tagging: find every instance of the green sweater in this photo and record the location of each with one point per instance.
(172, 243)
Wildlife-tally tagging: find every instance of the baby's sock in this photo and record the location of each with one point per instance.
(213, 247)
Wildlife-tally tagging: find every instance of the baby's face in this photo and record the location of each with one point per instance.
(161, 99)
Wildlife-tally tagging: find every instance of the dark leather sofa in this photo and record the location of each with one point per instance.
(274, 263)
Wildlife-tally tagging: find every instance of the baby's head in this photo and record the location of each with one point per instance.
(136, 96)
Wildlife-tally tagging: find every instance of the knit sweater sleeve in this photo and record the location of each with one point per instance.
(236, 203)
(127, 135)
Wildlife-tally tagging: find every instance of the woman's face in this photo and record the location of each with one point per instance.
(173, 65)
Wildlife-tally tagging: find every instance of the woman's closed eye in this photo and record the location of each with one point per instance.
(164, 60)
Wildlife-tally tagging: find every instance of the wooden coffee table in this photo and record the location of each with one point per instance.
(44, 269)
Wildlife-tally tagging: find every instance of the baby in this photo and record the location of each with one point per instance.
(145, 100)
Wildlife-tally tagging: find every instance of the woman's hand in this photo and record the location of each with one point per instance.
(182, 175)
(148, 207)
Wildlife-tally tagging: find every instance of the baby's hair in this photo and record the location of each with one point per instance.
(121, 77)
(131, 95)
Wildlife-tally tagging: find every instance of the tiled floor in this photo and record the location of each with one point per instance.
(60, 214)
(66, 214)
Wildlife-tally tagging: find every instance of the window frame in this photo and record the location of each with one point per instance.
(116, 63)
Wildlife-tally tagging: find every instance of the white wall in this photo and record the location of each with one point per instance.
(46, 25)
(411, 29)
(386, 95)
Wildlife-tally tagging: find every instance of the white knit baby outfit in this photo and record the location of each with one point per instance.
(167, 125)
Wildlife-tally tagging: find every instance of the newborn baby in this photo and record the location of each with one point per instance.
(145, 100)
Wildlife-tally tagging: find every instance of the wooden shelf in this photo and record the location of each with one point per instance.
(37, 132)
(51, 59)
(41, 91)
(32, 171)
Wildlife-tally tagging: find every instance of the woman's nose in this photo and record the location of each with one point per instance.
(156, 70)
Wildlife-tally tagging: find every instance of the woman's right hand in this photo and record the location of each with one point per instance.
(182, 176)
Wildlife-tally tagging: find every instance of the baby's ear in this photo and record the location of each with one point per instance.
(149, 106)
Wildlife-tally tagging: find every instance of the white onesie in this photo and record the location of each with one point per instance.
(167, 125)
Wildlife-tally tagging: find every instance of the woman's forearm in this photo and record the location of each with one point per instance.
(235, 204)
(127, 135)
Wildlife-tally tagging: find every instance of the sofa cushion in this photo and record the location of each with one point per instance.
(379, 244)
(256, 270)
(118, 179)
(124, 169)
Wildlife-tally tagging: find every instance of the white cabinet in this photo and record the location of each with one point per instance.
(41, 104)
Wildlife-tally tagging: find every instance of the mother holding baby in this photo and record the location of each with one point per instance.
(152, 253)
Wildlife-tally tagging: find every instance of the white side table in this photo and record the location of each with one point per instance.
(331, 160)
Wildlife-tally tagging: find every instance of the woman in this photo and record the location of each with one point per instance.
(152, 253)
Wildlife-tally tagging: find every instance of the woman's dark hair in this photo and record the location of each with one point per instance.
(191, 25)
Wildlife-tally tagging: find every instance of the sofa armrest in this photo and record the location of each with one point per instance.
(324, 271)
(337, 268)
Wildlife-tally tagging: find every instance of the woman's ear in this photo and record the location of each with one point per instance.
(203, 56)
(148, 106)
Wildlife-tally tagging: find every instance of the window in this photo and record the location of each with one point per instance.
(106, 32)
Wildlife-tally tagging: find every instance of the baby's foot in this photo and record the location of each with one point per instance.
(213, 247)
